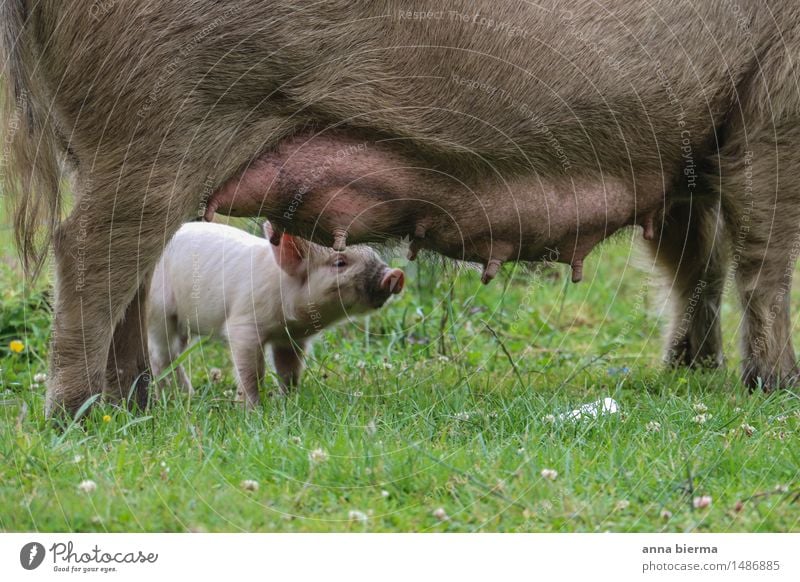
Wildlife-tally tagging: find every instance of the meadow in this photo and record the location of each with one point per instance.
(445, 411)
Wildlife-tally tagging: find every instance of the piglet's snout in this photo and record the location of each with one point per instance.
(393, 281)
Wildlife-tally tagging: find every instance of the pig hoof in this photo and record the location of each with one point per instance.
(491, 270)
(577, 271)
(339, 240)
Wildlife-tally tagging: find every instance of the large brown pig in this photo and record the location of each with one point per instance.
(489, 131)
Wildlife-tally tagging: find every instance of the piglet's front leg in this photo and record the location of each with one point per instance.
(248, 360)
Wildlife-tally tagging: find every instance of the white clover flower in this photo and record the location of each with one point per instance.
(653, 426)
(318, 456)
(549, 474)
(549, 418)
(358, 516)
(462, 416)
(249, 485)
(40, 377)
(702, 502)
(296, 440)
(701, 418)
(623, 504)
(748, 429)
(440, 514)
(666, 514)
(87, 486)
(77, 458)
(385, 494)
(700, 408)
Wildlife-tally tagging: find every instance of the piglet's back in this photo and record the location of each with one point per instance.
(213, 270)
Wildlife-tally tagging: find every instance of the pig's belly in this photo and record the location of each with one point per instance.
(335, 189)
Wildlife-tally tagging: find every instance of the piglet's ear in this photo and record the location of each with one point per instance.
(290, 254)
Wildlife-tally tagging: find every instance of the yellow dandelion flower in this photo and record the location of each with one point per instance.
(107, 418)
(16, 346)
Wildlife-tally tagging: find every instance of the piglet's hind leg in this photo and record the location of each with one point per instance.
(288, 360)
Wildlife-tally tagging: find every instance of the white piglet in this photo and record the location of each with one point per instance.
(218, 280)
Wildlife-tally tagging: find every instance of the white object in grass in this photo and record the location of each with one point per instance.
(592, 410)
(87, 486)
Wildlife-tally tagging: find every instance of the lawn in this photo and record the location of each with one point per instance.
(441, 412)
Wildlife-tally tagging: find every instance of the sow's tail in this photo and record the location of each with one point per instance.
(31, 150)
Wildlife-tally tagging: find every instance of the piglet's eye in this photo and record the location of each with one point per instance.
(339, 263)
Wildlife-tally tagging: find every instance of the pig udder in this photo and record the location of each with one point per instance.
(335, 189)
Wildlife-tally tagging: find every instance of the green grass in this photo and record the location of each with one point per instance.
(419, 408)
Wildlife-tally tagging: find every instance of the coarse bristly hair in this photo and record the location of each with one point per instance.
(161, 102)
(31, 143)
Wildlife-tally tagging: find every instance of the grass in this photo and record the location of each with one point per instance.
(448, 398)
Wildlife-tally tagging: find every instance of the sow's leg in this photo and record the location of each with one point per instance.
(689, 249)
(103, 253)
(761, 202)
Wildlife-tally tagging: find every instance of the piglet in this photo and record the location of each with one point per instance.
(218, 280)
